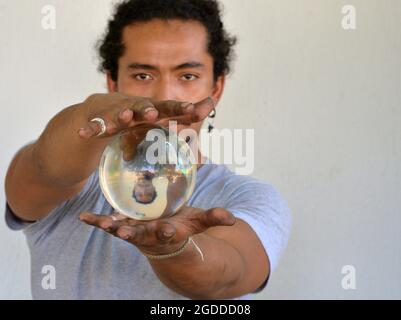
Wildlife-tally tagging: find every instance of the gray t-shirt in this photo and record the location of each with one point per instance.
(91, 264)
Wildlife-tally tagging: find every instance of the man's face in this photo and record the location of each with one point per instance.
(144, 191)
(167, 60)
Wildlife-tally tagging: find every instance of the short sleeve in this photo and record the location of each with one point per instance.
(13, 222)
(264, 209)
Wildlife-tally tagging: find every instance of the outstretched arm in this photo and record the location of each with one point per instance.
(235, 262)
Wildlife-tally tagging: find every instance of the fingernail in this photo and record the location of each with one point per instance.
(83, 131)
(125, 113)
(150, 109)
(167, 234)
(127, 236)
(106, 226)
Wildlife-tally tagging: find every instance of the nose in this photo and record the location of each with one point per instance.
(164, 91)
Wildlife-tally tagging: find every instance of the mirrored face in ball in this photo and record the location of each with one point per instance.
(146, 173)
(144, 191)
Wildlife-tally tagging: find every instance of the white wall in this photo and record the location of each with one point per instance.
(325, 104)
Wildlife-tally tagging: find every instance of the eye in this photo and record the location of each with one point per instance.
(189, 77)
(142, 77)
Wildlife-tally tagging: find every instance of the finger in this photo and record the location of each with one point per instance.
(106, 223)
(165, 232)
(92, 129)
(215, 218)
(134, 234)
(173, 109)
(149, 235)
(143, 110)
(116, 216)
(181, 120)
(203, 109)
(92, 219)
(160, 231)
(184, 113)
(125, 117)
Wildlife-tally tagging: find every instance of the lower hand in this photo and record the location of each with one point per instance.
(164, 236)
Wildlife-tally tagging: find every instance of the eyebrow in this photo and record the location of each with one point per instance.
(186, 65)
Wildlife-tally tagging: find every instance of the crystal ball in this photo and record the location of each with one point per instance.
(147, 172)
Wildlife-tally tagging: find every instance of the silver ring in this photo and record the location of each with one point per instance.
(102, 124)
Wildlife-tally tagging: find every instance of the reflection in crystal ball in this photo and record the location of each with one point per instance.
(147, 172)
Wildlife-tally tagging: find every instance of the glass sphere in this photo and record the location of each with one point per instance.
(147, 172)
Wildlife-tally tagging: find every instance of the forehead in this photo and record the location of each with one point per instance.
(166, 42)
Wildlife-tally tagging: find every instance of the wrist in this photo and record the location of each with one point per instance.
(164, 249)
(182, 249)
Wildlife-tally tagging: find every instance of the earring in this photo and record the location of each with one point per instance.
(212, 116)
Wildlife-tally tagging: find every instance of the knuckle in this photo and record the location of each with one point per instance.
(139, 232)
(112, 129)
(216, 216)
(224, 216)
(162, 238)
(93, 97)
(174, 106)
(144, 104)
(152, 227)
(125, 102)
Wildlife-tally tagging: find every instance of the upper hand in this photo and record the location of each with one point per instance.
(121, 112)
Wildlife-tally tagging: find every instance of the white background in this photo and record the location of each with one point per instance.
(325, 104)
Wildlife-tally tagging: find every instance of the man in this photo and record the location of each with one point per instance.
(223, 245)
(144, 191)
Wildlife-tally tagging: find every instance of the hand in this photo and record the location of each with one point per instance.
(162, 236)
(122, 112)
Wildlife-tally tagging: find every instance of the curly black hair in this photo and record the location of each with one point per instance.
(207, 12)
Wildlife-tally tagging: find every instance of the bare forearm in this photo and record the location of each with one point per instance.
(213, 278)
(60, 155)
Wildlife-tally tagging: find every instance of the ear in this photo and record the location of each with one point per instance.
(111, 84)
(218, 88)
